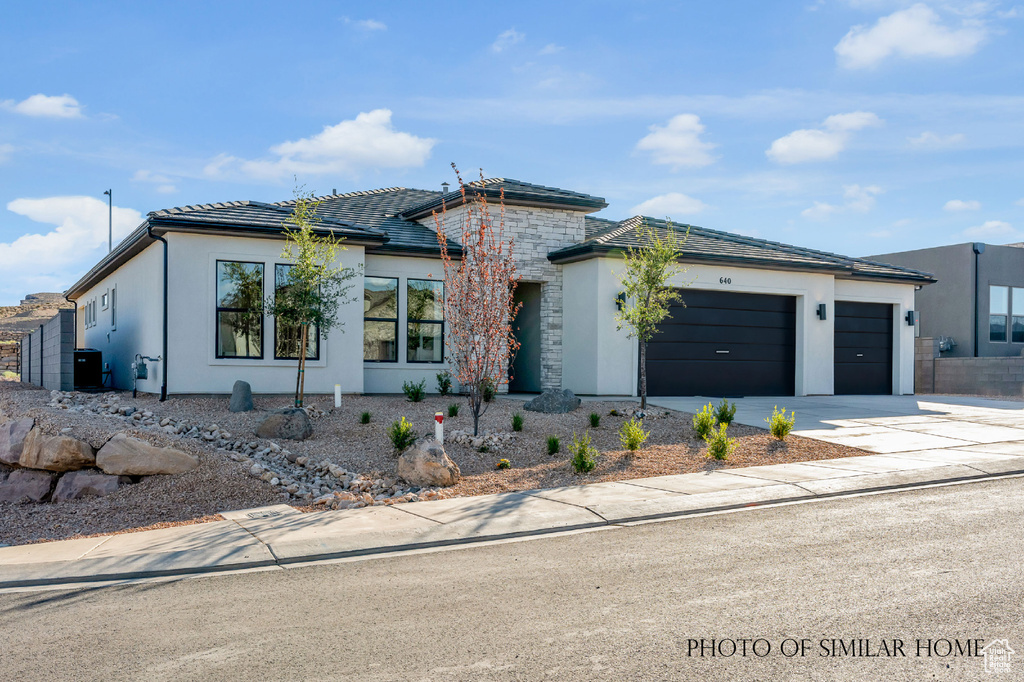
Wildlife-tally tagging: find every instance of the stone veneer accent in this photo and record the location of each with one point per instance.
(536, 232)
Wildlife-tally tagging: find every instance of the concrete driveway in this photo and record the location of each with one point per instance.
(921, 426)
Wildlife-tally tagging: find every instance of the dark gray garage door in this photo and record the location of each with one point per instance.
(725, 344)
(863, 348)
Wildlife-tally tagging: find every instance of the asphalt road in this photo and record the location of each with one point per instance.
(618, 604)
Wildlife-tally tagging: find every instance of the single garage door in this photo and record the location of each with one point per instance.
(863, 348)
(725, 344)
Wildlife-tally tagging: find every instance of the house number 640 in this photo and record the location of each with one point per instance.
(725, 280)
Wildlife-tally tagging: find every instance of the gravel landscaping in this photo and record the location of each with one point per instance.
(345, 463)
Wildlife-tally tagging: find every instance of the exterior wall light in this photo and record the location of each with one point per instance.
(910, 318)
(620, 300)
(821, 311)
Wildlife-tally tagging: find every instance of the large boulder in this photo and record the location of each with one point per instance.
(290, 423)
(12, 439)
(126, 456)
(241, 397)
(26, 485)
(554, 402)
(55, 453)
(85, 483)
(427, 464)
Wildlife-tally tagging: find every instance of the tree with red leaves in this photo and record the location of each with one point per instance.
(479, 288)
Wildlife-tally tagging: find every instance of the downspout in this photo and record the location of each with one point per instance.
(163, 384)
(978, 248)
(74, 303)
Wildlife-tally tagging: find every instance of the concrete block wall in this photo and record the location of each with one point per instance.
(998, 376)
(48, 353)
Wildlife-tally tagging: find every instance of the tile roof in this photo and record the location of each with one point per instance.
(517, 193)
(703, 244)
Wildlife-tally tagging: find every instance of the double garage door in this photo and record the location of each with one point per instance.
(733, 344)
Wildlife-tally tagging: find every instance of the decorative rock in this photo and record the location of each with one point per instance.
(132, 457)
(26, 485)
(291, 423)
(426, 464)
(55, 453)
(85, 483)
(553, 402)
(12, 439)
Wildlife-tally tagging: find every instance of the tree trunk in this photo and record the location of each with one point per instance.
(643, 375)
(302, 366)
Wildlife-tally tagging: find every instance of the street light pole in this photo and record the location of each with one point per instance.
(110, 220)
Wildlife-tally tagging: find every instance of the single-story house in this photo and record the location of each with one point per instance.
(977, 306)
(760, 318)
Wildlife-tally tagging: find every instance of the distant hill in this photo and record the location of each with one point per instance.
(35, 309)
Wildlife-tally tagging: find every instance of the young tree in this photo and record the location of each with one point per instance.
(648, 268)
(313, 286)
(478, 303)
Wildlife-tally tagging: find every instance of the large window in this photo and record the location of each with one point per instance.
(425, 320)
(380, 319)
(998, 309)
(288, 337)
(239, 320)
(1017, 321)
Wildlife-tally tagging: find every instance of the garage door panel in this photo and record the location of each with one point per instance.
(848, 340)
(863, 325)
(862, 355)
(740, 335)
(717, 352)
(729, 318)
(863, 348)
(725, 300)
(719, 378)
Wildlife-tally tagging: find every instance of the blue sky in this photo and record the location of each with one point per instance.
(855, 126)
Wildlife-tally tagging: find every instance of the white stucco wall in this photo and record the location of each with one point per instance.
(194, 367)
(139, 285)
(600, 360)
(388, 377)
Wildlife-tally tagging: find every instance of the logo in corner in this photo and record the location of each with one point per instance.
(998, 655)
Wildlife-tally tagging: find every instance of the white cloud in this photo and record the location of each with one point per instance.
(961, 205)
(371, 25)
(1019, 202)
(551, 48)
(857, 199)
(991, 229)
(507, 39)
(49, 106)
(5, 152)
(812, 144)
(820, 211)
(916, 31)
(368, 141)
(165, 184)
(669, 205)
(62, 254)
(678, 143)
(930, 140)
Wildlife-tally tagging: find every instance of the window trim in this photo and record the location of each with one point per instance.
(315, 358)
(113, 309)
(398, 286)
(217, 310)
(410, 321)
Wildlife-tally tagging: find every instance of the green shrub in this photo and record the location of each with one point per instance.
(401, 434)
(720, 445)
(364, 418)
(704, 421)
(595, 420)
(504, 464)
(453, 410)
(517, 422)
(554, 445)
(444, 383)
(415, 392)
(725, 412)
(584, 455)
(632, 434)
(779, 424)
(483, 448)
(489, 390)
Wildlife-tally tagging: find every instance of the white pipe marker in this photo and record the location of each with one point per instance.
(439, 427)
(337, 395)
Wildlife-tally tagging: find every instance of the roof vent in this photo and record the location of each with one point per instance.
(444, 188)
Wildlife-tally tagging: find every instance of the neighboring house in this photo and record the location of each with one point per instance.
(978, 301)
(760, 317)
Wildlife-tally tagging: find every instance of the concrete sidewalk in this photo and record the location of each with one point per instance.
(280, 535)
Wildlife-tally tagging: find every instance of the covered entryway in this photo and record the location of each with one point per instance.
(863, 348)
(725, 344)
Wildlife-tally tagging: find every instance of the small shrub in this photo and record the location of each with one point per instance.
(720, 445)
(584, 455)
(444, 383)
(517, 422)
(415, 392)
(453, 410)
(364, 418)
(725, 412)
(553, 445)
(595, 420)
(401, 434)
(704, 421)
(632, 434)
(504, 464)
(779, 424)
(489, 390)
(483, 448)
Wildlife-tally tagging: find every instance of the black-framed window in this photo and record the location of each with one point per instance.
(380, 319)
(239, 316)
(288, 337)
(425, 320)
(113, 309)
(998, 311)
(1017, 315)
